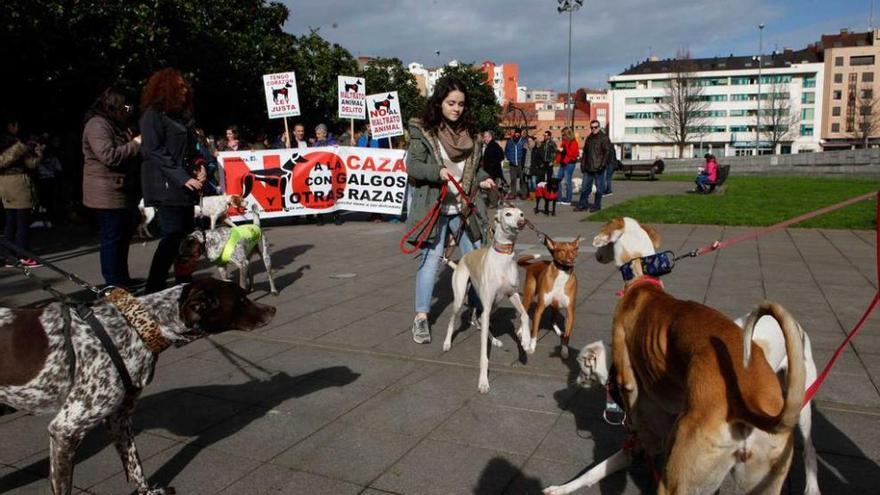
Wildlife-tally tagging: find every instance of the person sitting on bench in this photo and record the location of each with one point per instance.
(707, 175)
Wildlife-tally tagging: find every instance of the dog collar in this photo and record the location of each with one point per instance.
(644, 279)
(560, 266)
(655, 265)
(503, 248)
(138, 317)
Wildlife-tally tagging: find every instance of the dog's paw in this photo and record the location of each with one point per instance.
(158, 491)
(483, 387)
(447, 346)
(275, 292)
(532, 346)
(557, 330)
(495, 342)
(563, 351)
(554, 490)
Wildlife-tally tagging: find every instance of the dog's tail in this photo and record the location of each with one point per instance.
(527, 260)
(795, 376)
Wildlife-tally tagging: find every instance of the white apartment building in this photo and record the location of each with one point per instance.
(427, 77)
(730, 90)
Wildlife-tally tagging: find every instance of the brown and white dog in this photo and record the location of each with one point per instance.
(695, 386)
(217, 207)
(41, 371)
(553, 284)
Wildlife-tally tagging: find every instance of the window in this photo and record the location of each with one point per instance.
(807, 113)
(853, 77)
(838, 61)
(835, 111)
(867, 77)
(740, 81)
(808, 98)
(867, 94)
(861, 60)
(865, 110)
(810, 82)
(838, 78)
(741, 128)
(711, 113)
(662, 83)
(836, 94)
(835, 127)
(623, 85)
(806, 130)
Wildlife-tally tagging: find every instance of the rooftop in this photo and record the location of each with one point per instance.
(847, 39)
(782, 59)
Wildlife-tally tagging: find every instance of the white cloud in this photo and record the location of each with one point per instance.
(607, 36)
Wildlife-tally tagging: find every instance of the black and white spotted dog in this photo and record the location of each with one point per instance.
(35, 371)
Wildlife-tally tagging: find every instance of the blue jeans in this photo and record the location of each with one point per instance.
(609, 175)
(17, 228)
(587, 186)
(702, 181)
(117, 228)
(429, 262)
(566, 170)
(176, 223)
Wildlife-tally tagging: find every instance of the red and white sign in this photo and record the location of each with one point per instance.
(352, 97)
(281, 97)
(291, 182)
(384, 112)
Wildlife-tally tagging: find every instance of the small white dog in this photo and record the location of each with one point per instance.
(593, 362)
(148, 213)
(492, 271)
(215, 207)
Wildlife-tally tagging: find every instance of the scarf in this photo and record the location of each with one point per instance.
(458, 144)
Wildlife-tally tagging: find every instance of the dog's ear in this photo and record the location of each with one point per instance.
(577, 241)
(550, 243)
(609, 233)
(197, 303)
(655, 237)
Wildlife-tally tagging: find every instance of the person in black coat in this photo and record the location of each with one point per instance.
(493, 155)
(171, 177)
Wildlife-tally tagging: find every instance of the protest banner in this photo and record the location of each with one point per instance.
(384, 112)
(282, 99)
(352, 98)
(296, 182)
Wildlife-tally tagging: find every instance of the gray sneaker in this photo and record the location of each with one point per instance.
(420, 331)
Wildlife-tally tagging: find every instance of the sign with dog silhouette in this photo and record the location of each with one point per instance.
(316, 180)
(352, 98)
(282, 99)
(384, 112)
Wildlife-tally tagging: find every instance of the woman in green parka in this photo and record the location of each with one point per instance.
(443, 145)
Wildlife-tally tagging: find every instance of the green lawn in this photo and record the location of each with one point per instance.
(758, 201)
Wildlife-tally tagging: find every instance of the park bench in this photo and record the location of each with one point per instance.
(646, 169)
(723, 172)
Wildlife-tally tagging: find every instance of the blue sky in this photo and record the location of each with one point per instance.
(608, 35)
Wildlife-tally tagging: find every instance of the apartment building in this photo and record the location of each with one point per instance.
(504, 80)
(850, 103)
(730, 89)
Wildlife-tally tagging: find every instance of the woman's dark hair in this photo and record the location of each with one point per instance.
(163, 92)
(709, 156)
(109, 104)
(433, 116)
(234, 129)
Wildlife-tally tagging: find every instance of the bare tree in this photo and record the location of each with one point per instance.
(865, 115)
(779, 118)
(682, 108)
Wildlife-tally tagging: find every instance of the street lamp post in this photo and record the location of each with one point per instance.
(760, 63)
(569, 6)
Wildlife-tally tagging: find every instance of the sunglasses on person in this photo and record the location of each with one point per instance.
(594, 127)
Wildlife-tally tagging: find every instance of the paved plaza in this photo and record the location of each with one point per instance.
(334, 397)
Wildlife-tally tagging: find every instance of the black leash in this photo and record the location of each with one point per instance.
(84, 312)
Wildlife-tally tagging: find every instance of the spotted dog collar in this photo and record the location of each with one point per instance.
(138, 317)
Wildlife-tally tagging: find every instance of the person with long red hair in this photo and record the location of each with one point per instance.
(171, 176)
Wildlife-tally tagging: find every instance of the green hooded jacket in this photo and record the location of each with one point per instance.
(423, 166)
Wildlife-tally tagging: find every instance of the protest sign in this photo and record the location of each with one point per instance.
(316, 180)
(281, 97)
(384, 112)
(352, 97)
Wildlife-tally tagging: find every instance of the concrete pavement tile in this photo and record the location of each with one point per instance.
(442, 468)
(849, 389)
(318, 323)
(580, 442)
(538, 474)
(192, 372)
(14, 482)
(402, 344)
(842, 474)
(846, 433)
(24, 437)
(527, 392)
(246, 351)
(847, 364)
(372, 330)
(496, 428)
(342, 367)
(276, 480)
(402, 411)
(347, 452)
(181, 415)
(187, 468)
(259, 434)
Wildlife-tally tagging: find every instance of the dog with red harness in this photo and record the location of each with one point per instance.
(549, 192)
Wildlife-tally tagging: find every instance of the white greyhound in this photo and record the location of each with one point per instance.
(493, 273)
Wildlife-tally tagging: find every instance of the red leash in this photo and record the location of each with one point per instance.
(431, 218)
